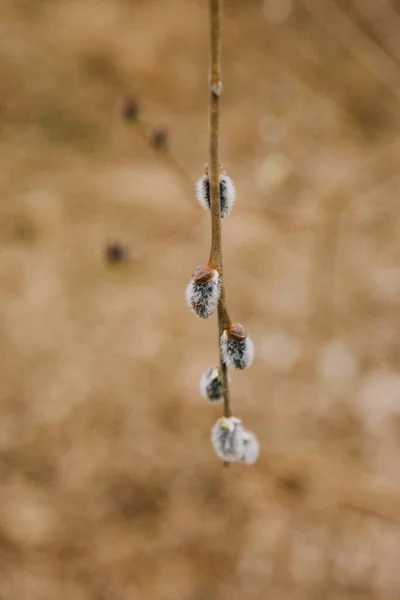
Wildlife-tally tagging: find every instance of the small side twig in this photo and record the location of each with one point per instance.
(216, 259)
(163, 153)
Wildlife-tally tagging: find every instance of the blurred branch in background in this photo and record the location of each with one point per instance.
(381, 22)
(157, 138)
(336, 22)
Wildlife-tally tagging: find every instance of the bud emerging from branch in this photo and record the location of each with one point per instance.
(251, 448)
(211, 385)
(236, 347)
(159, 139)
(203, 291)
(227, 192)
(131, 110)
(226, 437)
(115, 253)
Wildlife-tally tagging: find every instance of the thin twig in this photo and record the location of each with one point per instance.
(369, 512)
(186, 226)
(216, 259)
(214, 108)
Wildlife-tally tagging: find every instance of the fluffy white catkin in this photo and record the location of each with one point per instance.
(237, 348)
(227, 193)
(211, 385)
(203, 291)
(226, 437)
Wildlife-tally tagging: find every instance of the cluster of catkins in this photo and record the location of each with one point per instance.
(232, 443)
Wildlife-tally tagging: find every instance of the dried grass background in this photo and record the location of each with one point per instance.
(109, 488)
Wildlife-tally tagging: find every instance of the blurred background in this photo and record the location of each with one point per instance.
(109, 486)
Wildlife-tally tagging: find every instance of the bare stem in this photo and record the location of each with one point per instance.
(216, 260)
(214, 109)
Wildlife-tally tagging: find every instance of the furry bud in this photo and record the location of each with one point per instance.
(226, 437)
(203, 291)
(227, 192)
(236, 347)
(211, 385)
(251, 448)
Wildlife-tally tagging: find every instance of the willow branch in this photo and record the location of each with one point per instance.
(216, 259)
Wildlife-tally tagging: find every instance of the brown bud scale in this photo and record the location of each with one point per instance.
(203, 274)
(236, 333)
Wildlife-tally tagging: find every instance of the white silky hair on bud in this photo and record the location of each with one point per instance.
(237, 355)
(203, 192)
(227, 193)
(226, 438)
(251, 448)
(203, 298)
(211, 385)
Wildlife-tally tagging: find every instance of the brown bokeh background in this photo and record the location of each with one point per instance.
(109, 487)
